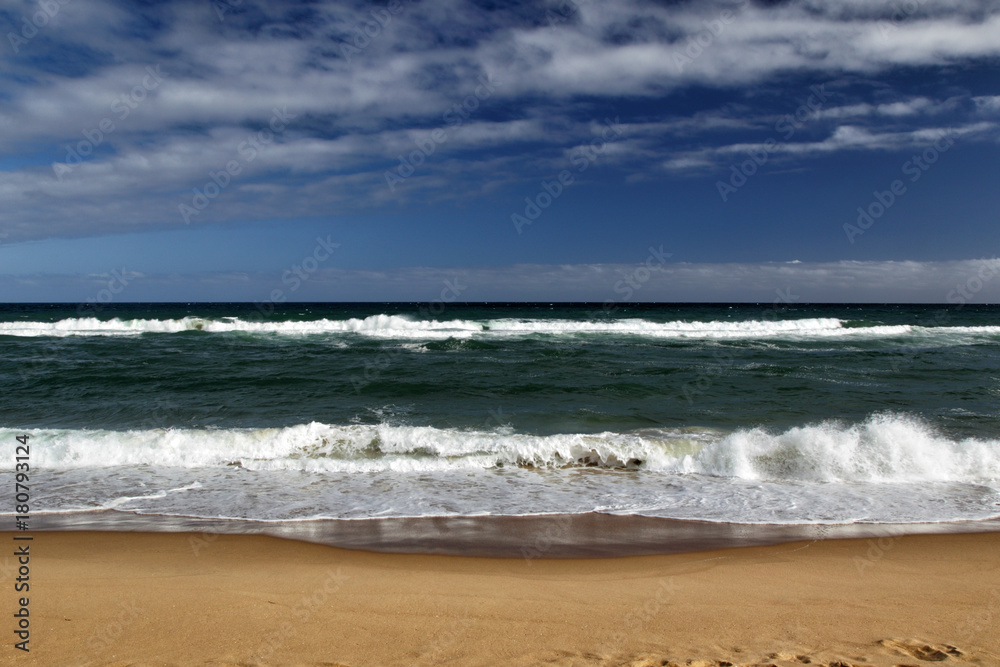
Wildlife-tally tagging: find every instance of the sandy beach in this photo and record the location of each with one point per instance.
(112, 598)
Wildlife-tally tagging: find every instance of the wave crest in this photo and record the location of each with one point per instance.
(884, 448)
(402, 327)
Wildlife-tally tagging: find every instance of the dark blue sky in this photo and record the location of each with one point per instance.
(206, 150)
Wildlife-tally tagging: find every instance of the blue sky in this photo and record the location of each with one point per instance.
(836, 150)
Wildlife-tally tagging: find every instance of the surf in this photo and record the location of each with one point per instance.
(404, 327)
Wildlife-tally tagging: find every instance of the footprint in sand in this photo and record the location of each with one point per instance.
(698, 663)
(792, 657)
(922, 651)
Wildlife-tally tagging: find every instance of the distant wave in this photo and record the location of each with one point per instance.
(886, 448)
(400, 327)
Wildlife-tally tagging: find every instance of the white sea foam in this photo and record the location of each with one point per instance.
(885, 448)
(889, 468)
(400, 327)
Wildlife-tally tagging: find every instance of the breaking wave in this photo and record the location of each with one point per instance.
(885, 448)
(401, 327)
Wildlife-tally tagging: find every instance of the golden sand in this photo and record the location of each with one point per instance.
(189, 599)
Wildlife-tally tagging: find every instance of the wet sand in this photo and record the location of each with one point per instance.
(584, 535)
(191, 599)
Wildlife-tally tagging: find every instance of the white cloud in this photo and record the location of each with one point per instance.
(987, 104)
(224, 78)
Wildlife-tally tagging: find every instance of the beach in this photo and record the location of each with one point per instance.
(564, 333)
(503, 484)
(122, 598)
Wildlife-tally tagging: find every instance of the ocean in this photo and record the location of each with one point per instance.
(784, 414)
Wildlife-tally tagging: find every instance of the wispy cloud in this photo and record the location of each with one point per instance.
(364, 83)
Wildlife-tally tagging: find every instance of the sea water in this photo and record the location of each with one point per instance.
(775, 414)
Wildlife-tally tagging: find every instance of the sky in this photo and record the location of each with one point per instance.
(570, 150)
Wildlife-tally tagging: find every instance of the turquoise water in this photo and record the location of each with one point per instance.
(774, 414)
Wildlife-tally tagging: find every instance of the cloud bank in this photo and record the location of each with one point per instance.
(657, 279)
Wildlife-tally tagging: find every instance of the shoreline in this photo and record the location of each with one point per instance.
(586, 535)
(122, 598)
